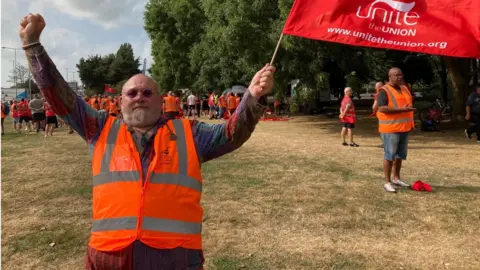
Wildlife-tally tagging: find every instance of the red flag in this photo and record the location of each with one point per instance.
(109, 90)
(443, 27)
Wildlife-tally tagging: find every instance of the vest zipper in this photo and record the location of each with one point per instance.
(142, 201)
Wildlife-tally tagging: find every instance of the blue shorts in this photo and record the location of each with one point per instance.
(395, 145)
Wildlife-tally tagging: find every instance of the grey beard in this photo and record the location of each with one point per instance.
(139, 118)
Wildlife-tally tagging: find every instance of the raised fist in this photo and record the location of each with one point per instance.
(262, 82)
(30, 28)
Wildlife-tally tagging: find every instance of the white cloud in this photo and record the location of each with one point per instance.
(36, 7)
(108, 13)
(66, 46)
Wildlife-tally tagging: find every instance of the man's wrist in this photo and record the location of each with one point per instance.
(257, 97)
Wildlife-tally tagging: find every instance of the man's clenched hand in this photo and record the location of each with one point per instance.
(262, 82)
(31, 26)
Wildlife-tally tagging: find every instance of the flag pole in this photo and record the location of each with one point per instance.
(276, 49)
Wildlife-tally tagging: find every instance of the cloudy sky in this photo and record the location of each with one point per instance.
(75, 29)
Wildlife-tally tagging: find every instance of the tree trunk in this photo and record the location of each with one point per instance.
(475, 70)
(443, 79)
(459, 70)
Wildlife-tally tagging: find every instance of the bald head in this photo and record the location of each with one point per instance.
(348, 91)
(379, 85)
(140, 81)
(395, 77)
(141, 102)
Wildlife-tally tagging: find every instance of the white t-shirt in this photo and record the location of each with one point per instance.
(191, 100)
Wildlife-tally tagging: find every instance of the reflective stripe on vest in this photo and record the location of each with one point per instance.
(151, 224)
(111, 224)
(171, 226)
(394, 121)
(395, 105)
(181, 179)
(106, 176)
(391, 96)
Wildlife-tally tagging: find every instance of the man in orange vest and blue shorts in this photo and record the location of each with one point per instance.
(147, 182)
(395, 121)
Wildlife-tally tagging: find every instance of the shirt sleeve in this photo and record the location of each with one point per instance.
(215, 140)
(69, 107)
(471, 100)
(382, 98)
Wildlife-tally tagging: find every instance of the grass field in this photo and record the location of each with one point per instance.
(291, 198)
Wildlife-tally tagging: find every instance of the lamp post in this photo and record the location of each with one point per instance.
(14, 68)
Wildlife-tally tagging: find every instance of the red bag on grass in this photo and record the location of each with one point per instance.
(421, 186)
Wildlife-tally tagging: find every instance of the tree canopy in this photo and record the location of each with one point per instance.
(22, 78)
(214, 44)
(112, 69)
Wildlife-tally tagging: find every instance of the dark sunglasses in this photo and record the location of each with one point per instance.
(133, 93)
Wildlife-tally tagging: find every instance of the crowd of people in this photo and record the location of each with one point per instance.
(37, 115)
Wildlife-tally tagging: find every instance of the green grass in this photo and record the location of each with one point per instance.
(291, 198)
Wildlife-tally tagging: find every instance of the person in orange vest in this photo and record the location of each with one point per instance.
(348, 118)
(51, 120)
(276, 106)
(146, 169)
(212, 105)
(222, 104)
(95, 102)
(15, 115)
(237, 100)
(105, 103)
(113, 107)
(170, 106)
(25, 115)
(378, 86)
(395, 121)
(3, 118)
(232, 104)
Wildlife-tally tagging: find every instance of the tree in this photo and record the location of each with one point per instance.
(20, 75)
(174, 27)
(122, 65)
(460, 73)
(212, 44)
(112, 69)
(92, 73)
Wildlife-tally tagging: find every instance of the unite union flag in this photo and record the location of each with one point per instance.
(441, 27)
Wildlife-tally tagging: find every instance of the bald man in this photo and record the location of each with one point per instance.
(378, 86)
(395, 121)
(147, 180)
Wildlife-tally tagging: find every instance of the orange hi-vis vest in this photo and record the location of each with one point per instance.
(164, 212)
(171, 104)
(222, 101)
(232, 103)
(23, 108)
(350, 115)
(396, 122)
(113, 107)
(105, 104)
(96, 106)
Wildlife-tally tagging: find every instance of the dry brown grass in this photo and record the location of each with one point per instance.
(291, 198)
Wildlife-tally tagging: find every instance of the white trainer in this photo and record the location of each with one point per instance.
(388, 187)
(399, 182)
